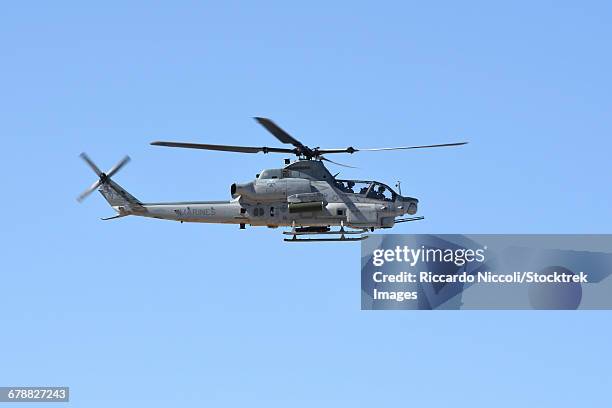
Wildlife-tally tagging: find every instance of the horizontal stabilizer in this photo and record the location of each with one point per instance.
(115, 216)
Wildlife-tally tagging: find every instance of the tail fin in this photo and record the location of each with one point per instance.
(118, 198)
(116, 195)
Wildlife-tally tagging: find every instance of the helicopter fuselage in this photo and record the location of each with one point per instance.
(302, 193)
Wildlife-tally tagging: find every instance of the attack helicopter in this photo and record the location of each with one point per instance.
(302, 195)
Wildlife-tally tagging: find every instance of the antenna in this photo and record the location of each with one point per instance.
(399, 187)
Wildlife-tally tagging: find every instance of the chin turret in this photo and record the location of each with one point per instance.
(410, 205)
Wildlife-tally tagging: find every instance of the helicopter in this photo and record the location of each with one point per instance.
(302, 195)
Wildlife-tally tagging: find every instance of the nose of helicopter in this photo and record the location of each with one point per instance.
(411, 205)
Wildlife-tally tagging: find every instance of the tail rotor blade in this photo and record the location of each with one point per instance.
(102, 176)
(118, 166)
(91, 164)
(90, 190)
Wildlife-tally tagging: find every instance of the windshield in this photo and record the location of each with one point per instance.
(369, 189)
(353, 186)
(381, 191)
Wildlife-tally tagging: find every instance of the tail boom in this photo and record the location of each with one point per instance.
(216, 212)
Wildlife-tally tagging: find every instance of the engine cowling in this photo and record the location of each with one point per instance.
(268, 190)
(243, 189)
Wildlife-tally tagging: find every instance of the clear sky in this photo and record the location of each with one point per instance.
(140, 312)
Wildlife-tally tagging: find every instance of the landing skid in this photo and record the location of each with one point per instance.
(342, 232)
(400, 220)
(342, 238)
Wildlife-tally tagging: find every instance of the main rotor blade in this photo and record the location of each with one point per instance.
(279, 133)
(412, 147)
(336, 163)
(118, 166)
(90, 190)
(91, 164)
(224, 148)
(354, 149)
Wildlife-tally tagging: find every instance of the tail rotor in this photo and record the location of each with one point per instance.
(102, 177)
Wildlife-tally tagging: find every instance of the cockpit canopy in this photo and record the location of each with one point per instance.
(369, 189)
(270, 174)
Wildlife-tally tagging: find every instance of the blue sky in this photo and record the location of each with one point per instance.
(139, 312)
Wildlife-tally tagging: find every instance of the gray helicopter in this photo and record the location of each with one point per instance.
(302, 195)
